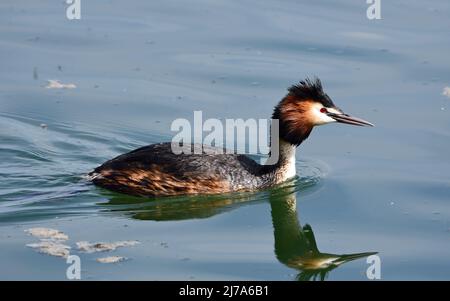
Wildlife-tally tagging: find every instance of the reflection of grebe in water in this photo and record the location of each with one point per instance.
(295, 246)
(155, 170)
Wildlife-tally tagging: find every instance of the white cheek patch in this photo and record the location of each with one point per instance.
(320, 118)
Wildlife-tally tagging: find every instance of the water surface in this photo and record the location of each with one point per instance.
(138, 65)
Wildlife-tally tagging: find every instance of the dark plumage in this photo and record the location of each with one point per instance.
(154, 170)
(311, 89)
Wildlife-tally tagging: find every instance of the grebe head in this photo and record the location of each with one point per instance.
(306, 105)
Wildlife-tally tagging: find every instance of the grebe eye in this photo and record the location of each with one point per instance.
(323, 110)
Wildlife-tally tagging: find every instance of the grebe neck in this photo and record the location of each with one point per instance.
(286, 161)
(284, 168)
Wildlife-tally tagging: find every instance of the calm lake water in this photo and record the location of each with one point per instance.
(138, 65)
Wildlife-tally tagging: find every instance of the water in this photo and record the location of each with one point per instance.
(138, 65)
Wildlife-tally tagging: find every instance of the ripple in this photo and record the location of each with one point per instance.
(205, 206)
(45, 177)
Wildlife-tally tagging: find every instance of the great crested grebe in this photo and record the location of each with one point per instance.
(154, 170)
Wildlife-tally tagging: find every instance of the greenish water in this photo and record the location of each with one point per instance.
(138, 65)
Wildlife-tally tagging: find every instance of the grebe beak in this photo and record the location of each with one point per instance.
(345, 118)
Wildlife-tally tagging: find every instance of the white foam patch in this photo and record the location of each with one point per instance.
(56, 84)
(47, 233)
(51, 243)
(87, 247)
(446, 92)
(111, 259)
(51, 247)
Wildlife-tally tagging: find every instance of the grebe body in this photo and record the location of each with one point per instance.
(155, 170)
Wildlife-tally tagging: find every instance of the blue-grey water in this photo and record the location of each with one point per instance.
(138, 65)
